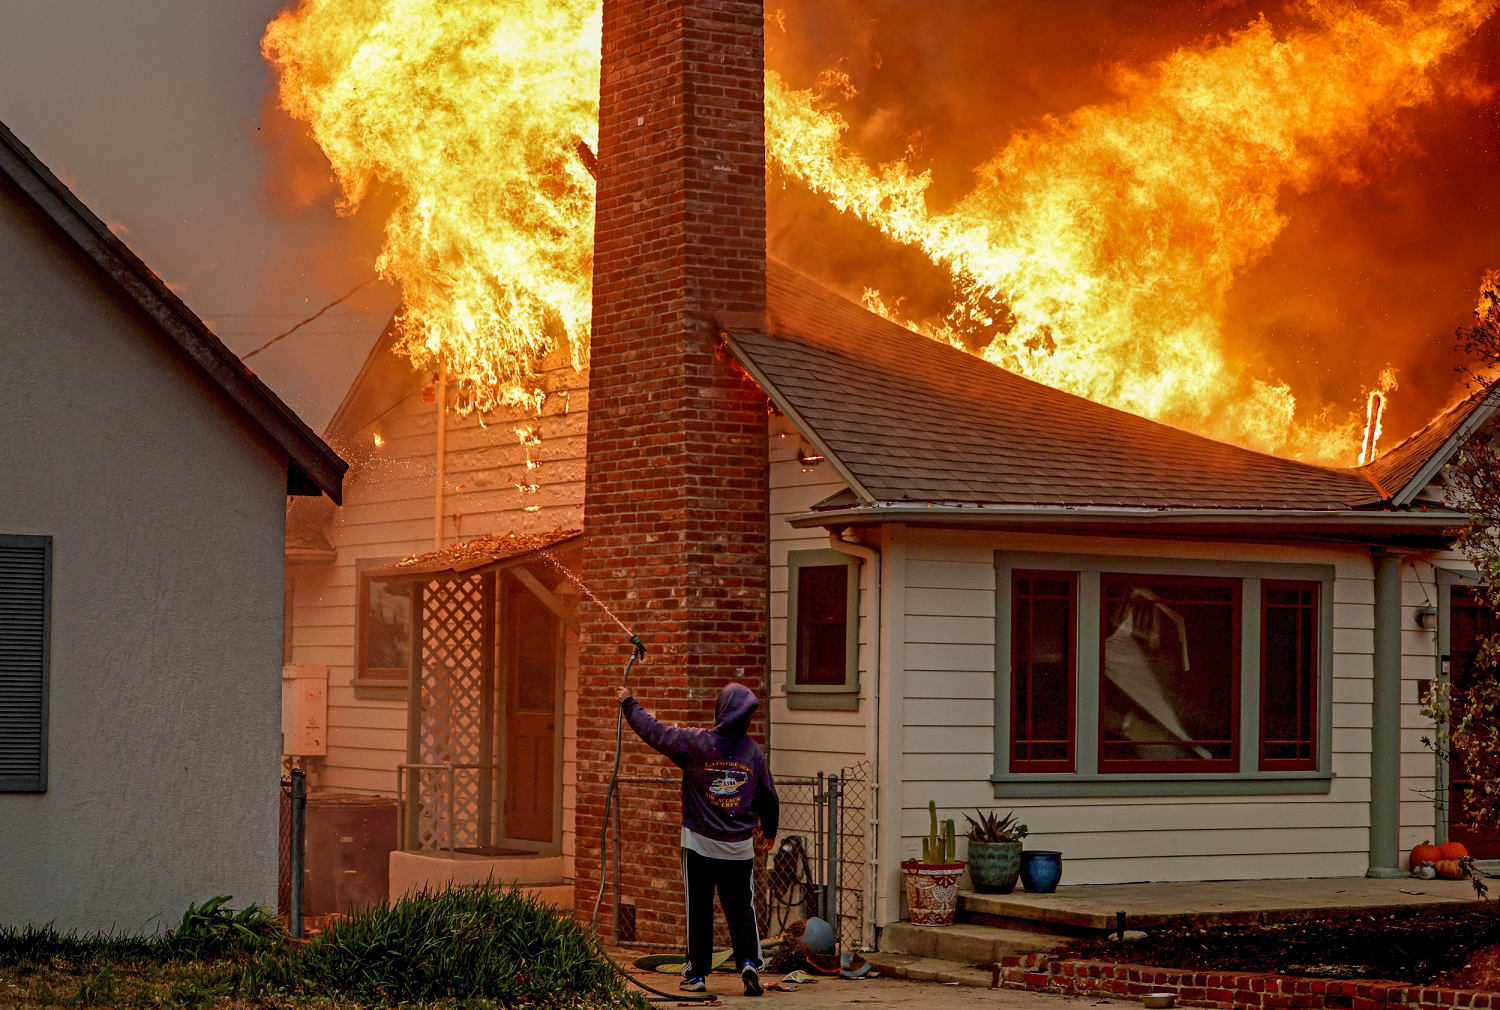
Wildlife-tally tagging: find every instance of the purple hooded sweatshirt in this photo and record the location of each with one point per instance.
(726, 784)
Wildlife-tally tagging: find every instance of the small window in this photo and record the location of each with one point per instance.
(25, 625)
(822, 630)
(1289, 676)
(1043, 671)
(385, 627)
(1170, 691)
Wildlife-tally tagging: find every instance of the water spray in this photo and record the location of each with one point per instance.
(637, 651)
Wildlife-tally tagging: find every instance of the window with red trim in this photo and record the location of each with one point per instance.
(1043, 670)
(1169, 687)
(1288, 676)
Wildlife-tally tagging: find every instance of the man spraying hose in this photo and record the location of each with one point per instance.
(726, 791)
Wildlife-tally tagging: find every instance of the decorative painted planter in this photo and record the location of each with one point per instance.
(1041, 869)
(931, 892)
(993, 866)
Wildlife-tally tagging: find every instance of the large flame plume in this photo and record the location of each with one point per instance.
(1100, 251)
(471, 114)
(1094, 253)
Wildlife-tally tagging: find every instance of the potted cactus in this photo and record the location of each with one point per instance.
(994, 851)
(932, 881)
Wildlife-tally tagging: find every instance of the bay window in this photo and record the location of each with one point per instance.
(1138, 676)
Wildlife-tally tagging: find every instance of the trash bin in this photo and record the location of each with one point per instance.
(349, 841)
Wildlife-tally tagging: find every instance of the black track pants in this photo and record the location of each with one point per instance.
(701, 876)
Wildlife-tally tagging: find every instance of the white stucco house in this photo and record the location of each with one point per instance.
(141, 563)
(1174, 658)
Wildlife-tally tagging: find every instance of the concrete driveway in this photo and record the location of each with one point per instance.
(878, 993)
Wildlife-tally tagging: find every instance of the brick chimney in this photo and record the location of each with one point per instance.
(675, 505)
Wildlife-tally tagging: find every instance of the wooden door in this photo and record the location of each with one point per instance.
(532, 674)
(1470, 623)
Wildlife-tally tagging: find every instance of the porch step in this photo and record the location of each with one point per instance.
(415, 871)
(930, 969)
(965, 943)
(1025, 913)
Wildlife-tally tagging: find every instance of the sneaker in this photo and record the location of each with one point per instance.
(693, 983)
(752, 980)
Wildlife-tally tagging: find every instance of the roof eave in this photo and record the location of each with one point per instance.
(807, 430)
(306, 451)
(1432, 524)
(1429, 470)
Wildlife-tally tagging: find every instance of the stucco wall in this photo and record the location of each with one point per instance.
(166, 517)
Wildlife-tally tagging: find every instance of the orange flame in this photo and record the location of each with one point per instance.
(471, 114)
(1094, 255)
(1374, 412)
(1111, 238)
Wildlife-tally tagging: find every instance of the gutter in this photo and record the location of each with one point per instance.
(1311, 520)
(872, 556)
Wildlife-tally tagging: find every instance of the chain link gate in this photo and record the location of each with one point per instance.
(823, 836)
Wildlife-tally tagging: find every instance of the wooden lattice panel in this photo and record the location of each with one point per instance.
(456, 712)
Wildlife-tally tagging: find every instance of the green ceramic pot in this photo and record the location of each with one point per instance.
(993, 866)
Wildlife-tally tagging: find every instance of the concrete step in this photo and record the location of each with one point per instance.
(964, 942)
(1030, 912)
(558, 894)
(414, 871)
(930, 969)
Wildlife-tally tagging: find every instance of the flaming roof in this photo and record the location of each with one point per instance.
(910, 421)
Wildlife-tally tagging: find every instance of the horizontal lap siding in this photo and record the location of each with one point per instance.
(1418, 664)
(388, 513)
(807, 741)
(949, 683)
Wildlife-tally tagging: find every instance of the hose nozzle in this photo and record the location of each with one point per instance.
(640, 647)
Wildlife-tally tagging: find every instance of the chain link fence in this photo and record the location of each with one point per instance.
(823, 837)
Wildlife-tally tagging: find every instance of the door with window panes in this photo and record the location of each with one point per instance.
(1471, 622)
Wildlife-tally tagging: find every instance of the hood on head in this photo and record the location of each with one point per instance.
(732, 712)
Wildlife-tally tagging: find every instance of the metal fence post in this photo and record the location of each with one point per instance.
(299, 836)
(831, 853)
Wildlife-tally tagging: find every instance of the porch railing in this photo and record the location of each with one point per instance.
(446, 817)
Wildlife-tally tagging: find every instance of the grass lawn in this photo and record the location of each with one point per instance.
(470, 947)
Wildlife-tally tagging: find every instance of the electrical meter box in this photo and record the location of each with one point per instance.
(304, 710)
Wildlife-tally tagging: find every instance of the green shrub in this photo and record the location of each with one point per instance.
(463, 943)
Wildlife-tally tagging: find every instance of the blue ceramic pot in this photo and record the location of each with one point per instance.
(1041, 869)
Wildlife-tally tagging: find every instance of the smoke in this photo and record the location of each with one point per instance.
(1375, 266)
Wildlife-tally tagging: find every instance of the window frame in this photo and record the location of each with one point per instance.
(836, 697)
(387, 683)
(37, 783)
(1068, 764)
(1133, 766)
(1247, 777)
(1269, 764)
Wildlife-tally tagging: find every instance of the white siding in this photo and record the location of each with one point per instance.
(949, 680)
(388, 513)
(805, 742)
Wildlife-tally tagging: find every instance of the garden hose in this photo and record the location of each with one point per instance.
(637, 651)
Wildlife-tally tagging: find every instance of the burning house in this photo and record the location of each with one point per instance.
(1149, 643)
(141, 524)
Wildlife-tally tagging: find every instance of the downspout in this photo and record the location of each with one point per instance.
(872, 558)
(1385, 720)
(440, 465)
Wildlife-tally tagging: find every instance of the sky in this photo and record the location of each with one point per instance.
(155, 113)
(158, 114)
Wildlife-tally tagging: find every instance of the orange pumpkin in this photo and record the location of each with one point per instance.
(1425, 853)
(1454, 850)
(1449, 869)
